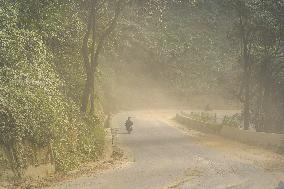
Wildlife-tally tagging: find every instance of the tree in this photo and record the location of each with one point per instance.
(269, 66)
(260, 31)
(36, 113)
(97, 31)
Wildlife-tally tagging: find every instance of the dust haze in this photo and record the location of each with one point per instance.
(133, 88)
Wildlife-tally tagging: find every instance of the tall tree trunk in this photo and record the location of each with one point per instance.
(92, 97)
(247, 94)
(86, 94)
(268, 120)
(259, 109)
(91, 54)
(261, 94)
(246, 64)
(86, 60)
(247, 108)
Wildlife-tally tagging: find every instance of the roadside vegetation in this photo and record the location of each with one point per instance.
(41, 78)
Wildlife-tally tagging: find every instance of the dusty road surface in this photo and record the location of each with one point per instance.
(164, 156)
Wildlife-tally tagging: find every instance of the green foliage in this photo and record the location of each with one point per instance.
(200, 121)
(233, 121)
(182, 46)
(259, 24)
(35, 111)
(203, 117)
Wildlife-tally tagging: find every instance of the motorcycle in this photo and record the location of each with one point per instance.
(129, 129)
(128, 125)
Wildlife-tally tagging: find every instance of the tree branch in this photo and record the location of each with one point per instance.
(85, 50)
(109, 28)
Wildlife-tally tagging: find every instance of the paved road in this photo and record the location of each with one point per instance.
(165, 157)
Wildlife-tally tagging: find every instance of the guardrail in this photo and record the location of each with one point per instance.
(197, 125)
(245, 136)
(252, 137)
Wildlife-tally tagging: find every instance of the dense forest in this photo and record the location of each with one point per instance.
(65, 65)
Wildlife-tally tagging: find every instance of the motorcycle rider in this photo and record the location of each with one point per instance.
(128, 123)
